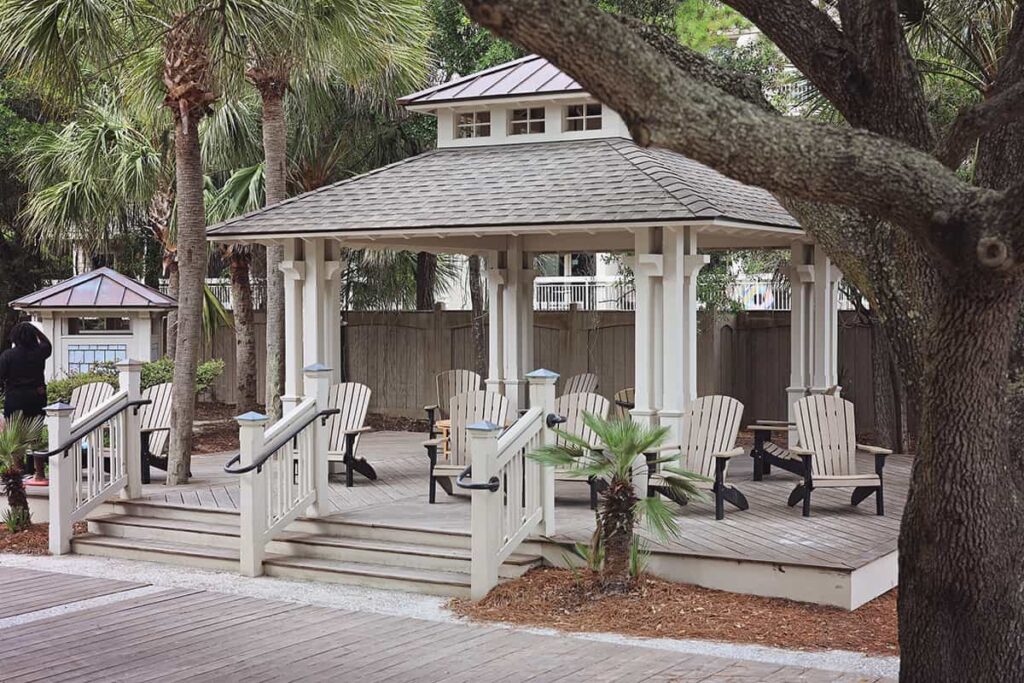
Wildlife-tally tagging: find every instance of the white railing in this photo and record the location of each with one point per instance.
(94, 458)
(283, 470)
(586, 293)
(754, 293)
(513, 495)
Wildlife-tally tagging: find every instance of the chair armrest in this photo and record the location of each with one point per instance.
(739, 450)
(429, 408)
(433, 443)
(359, 430)
(768, 428)
(777, 423)
(662, 449)
(873, 450)
(796, 450)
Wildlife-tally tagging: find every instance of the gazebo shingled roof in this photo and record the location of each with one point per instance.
(103, 288)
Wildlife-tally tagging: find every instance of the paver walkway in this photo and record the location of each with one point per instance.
(180, 634)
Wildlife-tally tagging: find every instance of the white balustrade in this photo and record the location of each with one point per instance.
(586, 293)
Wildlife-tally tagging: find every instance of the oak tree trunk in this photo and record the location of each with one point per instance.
(174, 289)
(961, 608)
(275, 151)
(476, 298)
(426, 279)
(192, 262)
(245, 334)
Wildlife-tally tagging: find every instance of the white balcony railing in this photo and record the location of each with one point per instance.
(586, 293)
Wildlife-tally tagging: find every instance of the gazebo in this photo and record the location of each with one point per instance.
(528, 163)
(98, 316)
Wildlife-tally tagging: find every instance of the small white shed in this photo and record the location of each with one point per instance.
(98, 316)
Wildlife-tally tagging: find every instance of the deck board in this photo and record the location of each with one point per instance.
(30, 591)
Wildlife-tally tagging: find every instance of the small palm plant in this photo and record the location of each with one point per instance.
(615, 549)
(18, 435)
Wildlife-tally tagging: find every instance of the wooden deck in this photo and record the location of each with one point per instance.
(837, 542)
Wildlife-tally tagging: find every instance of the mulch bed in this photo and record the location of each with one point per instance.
(570, 601)
(32, 541)
(218, 431)
(388, 423)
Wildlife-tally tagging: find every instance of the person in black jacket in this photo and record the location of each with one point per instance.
(22, 375)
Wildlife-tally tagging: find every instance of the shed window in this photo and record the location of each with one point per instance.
(98, 325)
(473, 124)
(583, 117)
(527, 121)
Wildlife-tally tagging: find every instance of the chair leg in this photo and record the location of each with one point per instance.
(432, 454)
(652, 468)
(146, 464)
(349, 457)
(879, 499)
(808, 485)
(879, 502)
(720, 488)
(593, 493)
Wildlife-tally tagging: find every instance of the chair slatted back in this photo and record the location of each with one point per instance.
(87, 397)
(451, 383)
(826, 426)
(470, 407)
(572, 407)
(156, 417)
(710, 425)
(583, 383)
(353, 400)
(623, 396)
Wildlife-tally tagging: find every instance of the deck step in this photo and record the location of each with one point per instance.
(164, 552)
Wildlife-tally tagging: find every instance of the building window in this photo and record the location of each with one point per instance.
(84, 357)
(98, 325)
(527, 121)
(583, 117)
(473, 124)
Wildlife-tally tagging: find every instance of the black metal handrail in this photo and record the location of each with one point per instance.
(492, 485)
(92, 424)
(275, 445)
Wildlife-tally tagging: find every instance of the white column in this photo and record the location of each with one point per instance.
(252, 503)
(542, 393)
(294, 269)
(526, 278)
(62, 477)
(314, 337)
(50, 326)
(513, 375)
(836, 276)
(648, 268)
(682, 263)
(495, 324)
(130, 379)
(333, 268)
(824, 321)
(141, 326)
(317, 384)
(801, 280)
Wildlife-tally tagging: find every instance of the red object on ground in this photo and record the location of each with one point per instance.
(37, 482)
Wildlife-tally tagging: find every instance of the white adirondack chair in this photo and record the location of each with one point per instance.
(345, 428)
(710, 427)
(450, 383)
(464, 410)
(625, 401)
(828, 448)
(571, 407)
(87, 397)
(156, 428)
(583, 383)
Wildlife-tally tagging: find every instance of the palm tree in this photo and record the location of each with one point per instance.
(183, 45)
(364, 42)
(620, 510)
(17, 436)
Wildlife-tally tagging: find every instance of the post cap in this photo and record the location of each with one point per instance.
(129, 364)
(58, 407)
(483, 427)
(251, 418)
(316, 368)
(542, 373)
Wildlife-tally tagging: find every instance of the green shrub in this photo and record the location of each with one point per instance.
(59, 390)
(157, 372)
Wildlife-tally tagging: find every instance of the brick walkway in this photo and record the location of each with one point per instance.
(178, 635)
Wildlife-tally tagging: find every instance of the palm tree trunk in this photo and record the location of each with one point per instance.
(275, 150)
(426, 279)
(174, 289)
(476, 297)
(192, 262)
(616, 523)
(245, 334)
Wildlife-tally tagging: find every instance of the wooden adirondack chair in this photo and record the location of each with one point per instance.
(464, 409)
(583, 383)
(625, 401)
(87, 397)
(449, 383)
(345, 428)
(571, 407)
(156, 428)
(828, 448)
(710, 428)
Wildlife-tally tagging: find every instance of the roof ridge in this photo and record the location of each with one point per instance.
(408, 99)
(661, 170)
(324, 188)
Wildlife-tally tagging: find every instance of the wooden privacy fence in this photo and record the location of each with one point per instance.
(745, 355)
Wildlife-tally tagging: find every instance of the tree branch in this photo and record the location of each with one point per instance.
(1004, 107)
(665, 103)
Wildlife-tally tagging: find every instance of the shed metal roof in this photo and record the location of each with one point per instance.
(603, 181)
(103, 288)
(531, 75)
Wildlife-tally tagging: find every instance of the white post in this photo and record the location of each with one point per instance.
(682, 263)
(318, 386)
(801, 279)
(513, 325)
(313, 304)
(647, 267)
(252, 494)
(333, 268)
(51, 328)
(62, 477)
(542, 395)
(485, 509)
(495, 324)
(836, 276)
(130, 379)
(294, 270)
(824, 319)
(527, 276)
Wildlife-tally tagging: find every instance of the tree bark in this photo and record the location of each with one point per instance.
(174, 289)
(192, 261)
(961, 607)
(616, 521)
(275, 151)
(426, 279)
(245, 334)
(476, 298)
